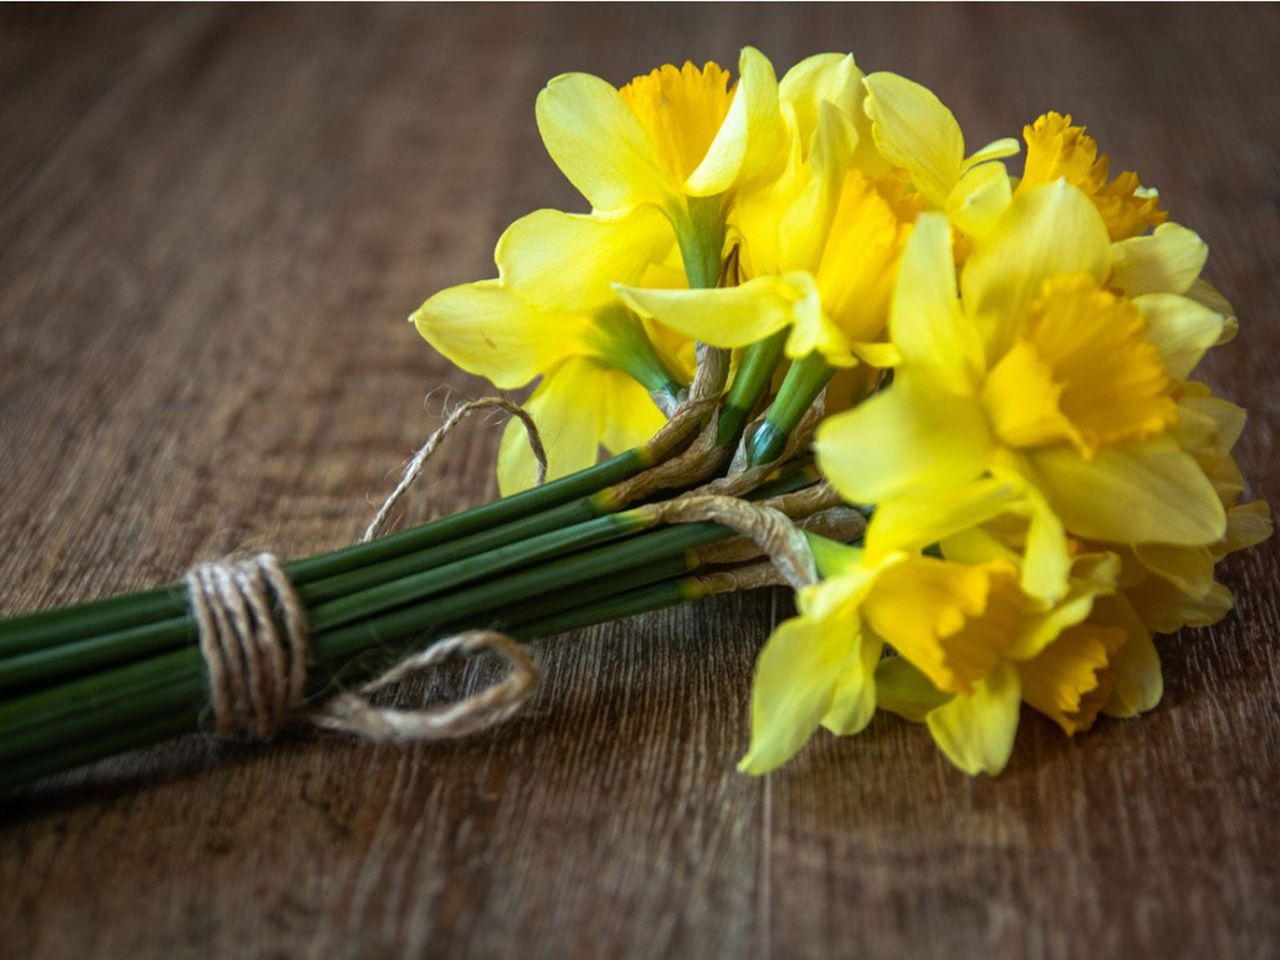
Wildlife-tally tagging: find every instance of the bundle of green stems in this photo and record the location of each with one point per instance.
(81, 683)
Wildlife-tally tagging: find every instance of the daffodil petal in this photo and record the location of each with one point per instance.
(751, 139)
(853, 701)
(912, 520)
(1050, 229)
(566, 408)
(814, 331)
(925, 320)
(487, 330)
(907, 439)
(600, 145)
(1207, 295)
(975, 731)
(568, 261)
(913, 130)
(978, 545)
(1208, 426)
(1167, 261)
(794, 684)
(1163, 608)
(995, 150)
(1190, 569)
(823, 79)
(1181, 329)
(1036, 631)
(952, 621)
(1069, 680)
(727, 317)
(628, 414)
(806, 222)
(1248, 524)
(1048, 558)
(1150, 492)
(1135, 669)
(981, 197)
(878, 354)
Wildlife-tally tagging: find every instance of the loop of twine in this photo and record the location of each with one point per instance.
(352, 713)
(252, 633)
(427, 449)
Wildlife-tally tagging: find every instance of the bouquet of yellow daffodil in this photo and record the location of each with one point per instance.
(794, 304)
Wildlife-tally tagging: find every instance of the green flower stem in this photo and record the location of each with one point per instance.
(801, 386)
(624, 596)
(417, 581)
(35, 766)
(20, 635)
(347, 597)
(589, 593)
(341, 643)
(336, 646)
(102, 703)
(656, 596)
(168, 693)
(755, 370)
(141, 694)
(352, 595)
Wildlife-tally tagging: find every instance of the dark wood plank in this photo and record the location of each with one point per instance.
(212, 221)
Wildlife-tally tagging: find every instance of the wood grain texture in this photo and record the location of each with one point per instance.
(212, 222)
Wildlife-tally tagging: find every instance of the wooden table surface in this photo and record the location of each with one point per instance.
(213, 222)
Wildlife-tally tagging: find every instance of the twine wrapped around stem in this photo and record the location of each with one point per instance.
(253, 636)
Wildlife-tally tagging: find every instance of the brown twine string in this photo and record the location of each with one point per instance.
(427, 449)
(751, 576)
(694, 417)
(252, 633)
(351, 712)
(773, 531)
(841, 523)
(810, 500)
(257, 660)
(689, 417)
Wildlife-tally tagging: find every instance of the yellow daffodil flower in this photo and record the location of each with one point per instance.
(679, 139)
(1057, 148)
(1160, 587)
(1104, 663)
(970, 645)
(1168, 260)
(1038, 389)
(552, 314)
(819, 245)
